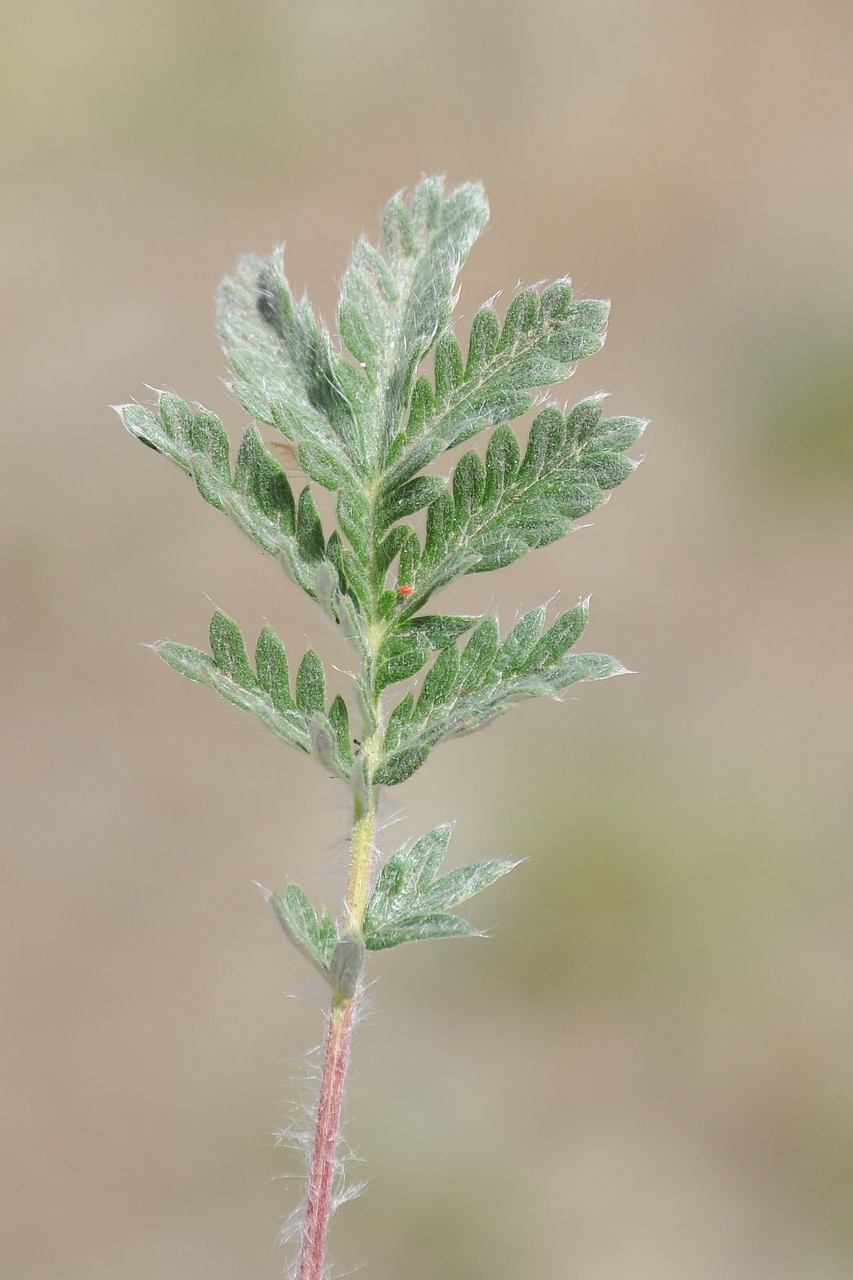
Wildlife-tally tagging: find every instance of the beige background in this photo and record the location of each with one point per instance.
(645, 1073)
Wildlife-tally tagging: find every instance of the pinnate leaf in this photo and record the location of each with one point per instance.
(258, 497)
(499, 510)
(396, 300)
(302, 721)
(540, 339)
(464, 691)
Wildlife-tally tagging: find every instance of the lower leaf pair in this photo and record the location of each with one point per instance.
(409, 903)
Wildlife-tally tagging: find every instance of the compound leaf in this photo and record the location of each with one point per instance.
(288, 374)
(361, 423)
(303, 721)
(395, 302)
(313, 939)
(409, 903)
(258, 497)
(509, 505)
(541, 338)
(463, 692)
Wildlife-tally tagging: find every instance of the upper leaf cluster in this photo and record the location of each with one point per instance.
(394, 304)
(366, 426)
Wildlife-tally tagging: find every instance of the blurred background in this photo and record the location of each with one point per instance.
(645, 1073)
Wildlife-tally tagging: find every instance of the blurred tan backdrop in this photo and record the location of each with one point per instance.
(645, 1073)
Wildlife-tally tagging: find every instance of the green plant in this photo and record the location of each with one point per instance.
(364, 426)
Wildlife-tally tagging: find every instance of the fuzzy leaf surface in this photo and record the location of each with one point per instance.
(498, 510)
(543, 335)
(288, 373)
(316, 940)
(302, 721)
(410, 901)
(363, 422)
(396, 301)
(465, 691)
(257, 497)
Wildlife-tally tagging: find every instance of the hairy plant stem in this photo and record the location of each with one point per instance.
(361, 858)
(321, 1178)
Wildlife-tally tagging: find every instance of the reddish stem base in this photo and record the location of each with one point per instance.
(322, 1175)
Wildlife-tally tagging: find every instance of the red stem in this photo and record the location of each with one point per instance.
(321, 1178)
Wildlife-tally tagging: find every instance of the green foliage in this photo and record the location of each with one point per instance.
(410, 902)
(316, 940)
(499, 509)
(464, 691)
(338, 959)
(366, 423)
(257, 496)
(303, 720)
